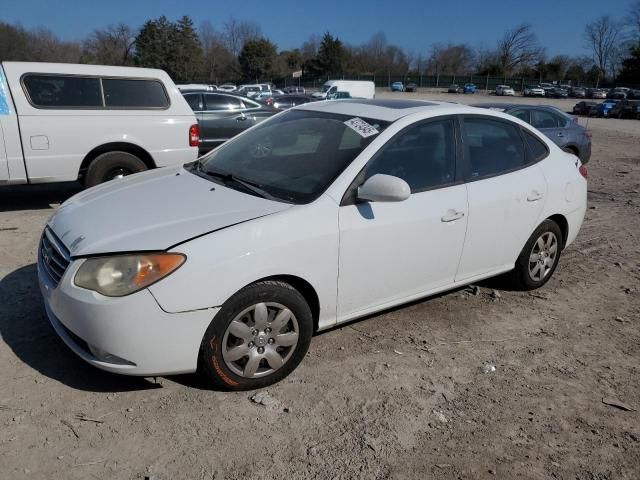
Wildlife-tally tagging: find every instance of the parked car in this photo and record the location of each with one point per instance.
(297, 226)
(602, 109)
(284, 102)
(584, 107)
(63, 122)
(411, 87)
(223, 115)
(338, 96)
(633, 94)
(625, 109)
(357, 89)
(455, 88)
(397, 87)
(196, 87)
(251, 90)
(562, 129)
(618, 93)
(578, 92)
(469, 88)
(505, 90)
(557, 92)
(227, 87)
(292, 89)
(533, 91)
(596, 93)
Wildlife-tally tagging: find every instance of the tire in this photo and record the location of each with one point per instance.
(234, 327)
(112, 165)
(521, 276)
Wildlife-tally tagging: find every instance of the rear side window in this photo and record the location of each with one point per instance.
(492, 147)
(126, 93)
(195, 101)
(57, 91)
(213, 102)
(423, 156)
(536, 147)
(544, 119)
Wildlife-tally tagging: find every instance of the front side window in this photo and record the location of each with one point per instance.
(129, 93)
(60, 91)
(492, 147)
(423, 156)
(293, 157)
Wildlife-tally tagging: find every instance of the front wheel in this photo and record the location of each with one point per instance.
(539, 257)
(260, 336)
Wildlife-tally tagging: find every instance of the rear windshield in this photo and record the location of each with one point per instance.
(295, 156)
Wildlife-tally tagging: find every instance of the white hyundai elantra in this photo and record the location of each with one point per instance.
(322, 214)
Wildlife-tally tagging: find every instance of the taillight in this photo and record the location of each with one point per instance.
(583, 171)
(194, 135)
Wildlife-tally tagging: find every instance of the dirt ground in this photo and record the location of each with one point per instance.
(398, 395)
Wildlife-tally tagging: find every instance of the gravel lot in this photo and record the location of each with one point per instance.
(397, 395)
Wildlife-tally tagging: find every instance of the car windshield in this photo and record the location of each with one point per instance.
(326, 87)
(292, 157)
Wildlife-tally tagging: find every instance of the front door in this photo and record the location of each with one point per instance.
(395, 251)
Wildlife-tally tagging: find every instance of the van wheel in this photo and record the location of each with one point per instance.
(539, 257)
(112, 165)
(258, 337)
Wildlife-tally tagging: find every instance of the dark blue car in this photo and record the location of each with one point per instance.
(602, 109)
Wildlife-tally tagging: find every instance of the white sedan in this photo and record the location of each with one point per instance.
(505, 90)
(322, 214)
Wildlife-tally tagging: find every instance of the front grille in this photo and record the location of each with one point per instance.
(54, 256)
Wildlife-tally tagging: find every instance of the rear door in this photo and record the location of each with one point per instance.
(221, 119)
(506, 191)
(552, 125)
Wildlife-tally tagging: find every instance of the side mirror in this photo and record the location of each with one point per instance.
(384, 188)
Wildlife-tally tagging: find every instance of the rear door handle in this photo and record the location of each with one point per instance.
(534, 196)
(560, 134)
(452, 216)
(241, 118)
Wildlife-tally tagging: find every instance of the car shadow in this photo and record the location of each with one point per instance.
(27, 332)
(35, 197)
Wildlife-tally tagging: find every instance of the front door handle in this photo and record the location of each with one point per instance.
(452, 216)
(560, 134)
(534, 196)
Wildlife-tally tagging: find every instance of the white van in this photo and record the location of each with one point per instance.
(356, 88)
(64, 122)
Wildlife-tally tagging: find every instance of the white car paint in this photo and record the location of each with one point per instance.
(505, 90)
(358, 259)
(50, 144)
(356, 88)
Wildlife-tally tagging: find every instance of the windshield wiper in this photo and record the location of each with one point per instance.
(227, 177)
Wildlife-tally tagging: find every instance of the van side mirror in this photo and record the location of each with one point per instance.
(384, 188)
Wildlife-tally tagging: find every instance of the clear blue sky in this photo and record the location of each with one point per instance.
(412, 24)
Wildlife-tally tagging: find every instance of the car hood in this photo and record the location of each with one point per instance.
(154, 210)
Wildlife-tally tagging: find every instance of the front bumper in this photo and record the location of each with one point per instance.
(139, 337)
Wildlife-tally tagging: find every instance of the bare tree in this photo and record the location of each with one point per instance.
(112, 45)
(451, 59)
(633, 20)
(518, 48)
(238, 32)
(219, 63)
(601, 38)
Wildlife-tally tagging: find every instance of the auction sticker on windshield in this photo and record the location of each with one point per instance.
(361, 127)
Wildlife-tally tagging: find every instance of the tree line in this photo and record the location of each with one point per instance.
(240, 51)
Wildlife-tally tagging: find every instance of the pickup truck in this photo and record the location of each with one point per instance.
(64, 122)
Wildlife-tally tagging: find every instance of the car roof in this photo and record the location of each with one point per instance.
(386, 110)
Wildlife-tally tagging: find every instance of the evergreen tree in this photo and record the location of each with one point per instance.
(258, 59)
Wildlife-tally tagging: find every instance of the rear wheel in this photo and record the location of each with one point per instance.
(539, 257)
(112, 165)
(260, 336)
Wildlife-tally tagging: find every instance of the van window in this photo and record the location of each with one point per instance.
(4, 95)
(63, 91)
(129, 93)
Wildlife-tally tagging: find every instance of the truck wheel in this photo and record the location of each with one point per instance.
(112, 165)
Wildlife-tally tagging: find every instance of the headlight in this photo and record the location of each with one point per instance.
(122, 275)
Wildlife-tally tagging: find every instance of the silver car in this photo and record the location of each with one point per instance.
(561, 128)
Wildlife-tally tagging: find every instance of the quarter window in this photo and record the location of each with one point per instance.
(58, 91)
(423, 156)
(127, 93)
(536, 147)
(492, 147)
